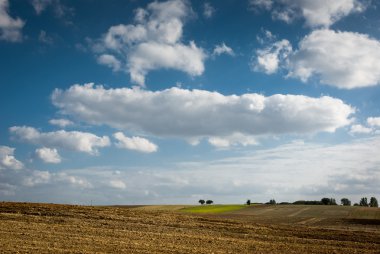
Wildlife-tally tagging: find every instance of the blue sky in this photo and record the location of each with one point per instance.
(149, 102)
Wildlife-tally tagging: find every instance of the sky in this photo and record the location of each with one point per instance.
(169, 102)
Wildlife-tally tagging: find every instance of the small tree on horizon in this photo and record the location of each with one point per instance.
(201, 201)
(345, 202)
(373, 202)
(363, 201)
(328, 201)
(209, 202)
(272, 202)
(248, 202)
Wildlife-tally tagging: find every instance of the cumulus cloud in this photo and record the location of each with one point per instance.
(269, 59)
(134, 143)
(372, 127)
(208, 10)
(152, 42)
(48, 155)
(61, 122)
(71, 140)
(110, 61)
(10, 28)
(360, 129)
(118, 184)
(373, 121)
(322, 13)
(8, 160)
(345, 60)
(223, 49)
(193, 114)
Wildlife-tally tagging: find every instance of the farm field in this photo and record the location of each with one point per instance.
(363, 218)
(48, 228)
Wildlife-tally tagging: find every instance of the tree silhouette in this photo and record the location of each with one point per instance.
(373, 202)
(209, 202)
(345, 202)
(328, 201)
(201, 201)
(363, 202)
(248, 202)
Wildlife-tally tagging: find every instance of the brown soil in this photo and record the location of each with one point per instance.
(47, 228)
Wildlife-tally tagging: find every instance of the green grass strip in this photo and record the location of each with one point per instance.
(212, 208)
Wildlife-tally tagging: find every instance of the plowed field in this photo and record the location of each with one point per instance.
(46, 228)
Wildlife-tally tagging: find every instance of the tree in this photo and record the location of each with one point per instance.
(332, 201)
(209, 202)
(248, 202)
(328, 201)
(345, 202)
(201, 201)
(363, 202)
(325, 201)
(373, 202)
(272, 202)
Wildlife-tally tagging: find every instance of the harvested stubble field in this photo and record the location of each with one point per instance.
(47, 228)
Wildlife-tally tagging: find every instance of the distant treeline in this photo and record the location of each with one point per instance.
(305, 202)
(331, 201)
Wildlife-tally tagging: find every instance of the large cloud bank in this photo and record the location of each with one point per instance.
(193, 114)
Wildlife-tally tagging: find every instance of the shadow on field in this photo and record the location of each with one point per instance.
(362, 221)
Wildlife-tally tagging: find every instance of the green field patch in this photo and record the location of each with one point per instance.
(212, 208)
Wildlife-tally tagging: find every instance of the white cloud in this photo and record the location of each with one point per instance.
(38, 177)
(71, 140)
(322, 13)
(134, 143)
(61, 122)
(60, 10)
(118, 184)
(110, 61)
(270, 58)
(373, 121)
(293, 171)
(10, 28)
(208, 10)
(40, 5)
(223, 49)
(194, 114)
(234, 139)
(360, 129)
(345, 60)
(153, 42)
(44, 38)
(7, 159)
(48, 155)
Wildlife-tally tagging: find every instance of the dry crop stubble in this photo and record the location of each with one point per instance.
(47, 228)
